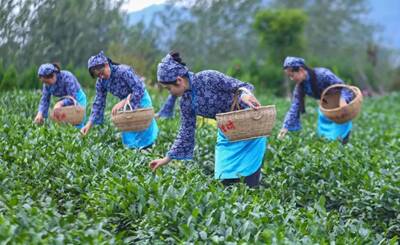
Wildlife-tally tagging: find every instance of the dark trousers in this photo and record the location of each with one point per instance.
(147, 147)
(346, 139)
(252, 181)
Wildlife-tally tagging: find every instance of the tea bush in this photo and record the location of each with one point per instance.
(57, 187)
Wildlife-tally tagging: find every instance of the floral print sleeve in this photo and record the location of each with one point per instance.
(227, 83)
(183, 147)
(66, 85)
(72, 88)
(45, 101)
(167, 110)
(292, 118)
(97, 115)
(325, 78)
(137, 86)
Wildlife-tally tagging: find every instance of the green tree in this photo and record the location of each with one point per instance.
(71, 31)
(9, 78)
(282, 31)
(338, 37)
(15, 19)
(139, 50)
(38, 31)
(212, 33)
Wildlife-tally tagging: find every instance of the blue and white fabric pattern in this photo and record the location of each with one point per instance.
(98, 59)
(210, 92)
(122, 82)
(46, 69)
(324, 79)
(291, 62)
(168, 70)
(167, 110)
(66, 84)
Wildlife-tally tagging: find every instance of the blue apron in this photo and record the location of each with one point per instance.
(81, 99)
(235, 159)
(331, 130)
(144, 138)
(238, 159)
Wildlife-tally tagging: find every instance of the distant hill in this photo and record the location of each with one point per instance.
(146, 15)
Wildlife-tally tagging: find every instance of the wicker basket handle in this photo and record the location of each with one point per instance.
(128, 103)
(354, 89)
(71, 98)
(235, 102)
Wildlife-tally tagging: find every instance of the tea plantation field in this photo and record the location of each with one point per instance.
(57, 188)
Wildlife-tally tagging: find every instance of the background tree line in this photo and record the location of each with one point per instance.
(246, 38)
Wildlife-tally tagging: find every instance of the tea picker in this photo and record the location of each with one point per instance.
(207, 94)
(122, 82)
(339, 104)
(61, 83)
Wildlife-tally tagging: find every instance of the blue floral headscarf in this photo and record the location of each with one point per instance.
(98, 59)
(291, 62)
(168, 70)
(46, 70)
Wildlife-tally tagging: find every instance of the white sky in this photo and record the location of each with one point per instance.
(136, 5)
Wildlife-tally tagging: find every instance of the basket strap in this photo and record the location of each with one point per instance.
(235, 102)
(356, 91)
(128, 103)
(71, 98)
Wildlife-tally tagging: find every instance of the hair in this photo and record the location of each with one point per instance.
(57, 66)
(314, 86)
(112, 62)
(177, 58)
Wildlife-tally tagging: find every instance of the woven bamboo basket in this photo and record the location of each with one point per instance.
(72, 114)
(334, 108)
(133, 120)
(247, 123)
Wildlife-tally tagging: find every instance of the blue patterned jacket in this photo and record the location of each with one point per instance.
(325, 78)
(66, 84)
(211, 92)
(122, 82)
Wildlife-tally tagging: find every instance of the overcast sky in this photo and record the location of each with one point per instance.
(135, 5)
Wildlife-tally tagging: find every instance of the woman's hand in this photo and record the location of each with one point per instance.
(39, 118)
(250, 100)
(59, 104)
(282, 133)
(118, 106)
(85, 130)
(159, 162)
